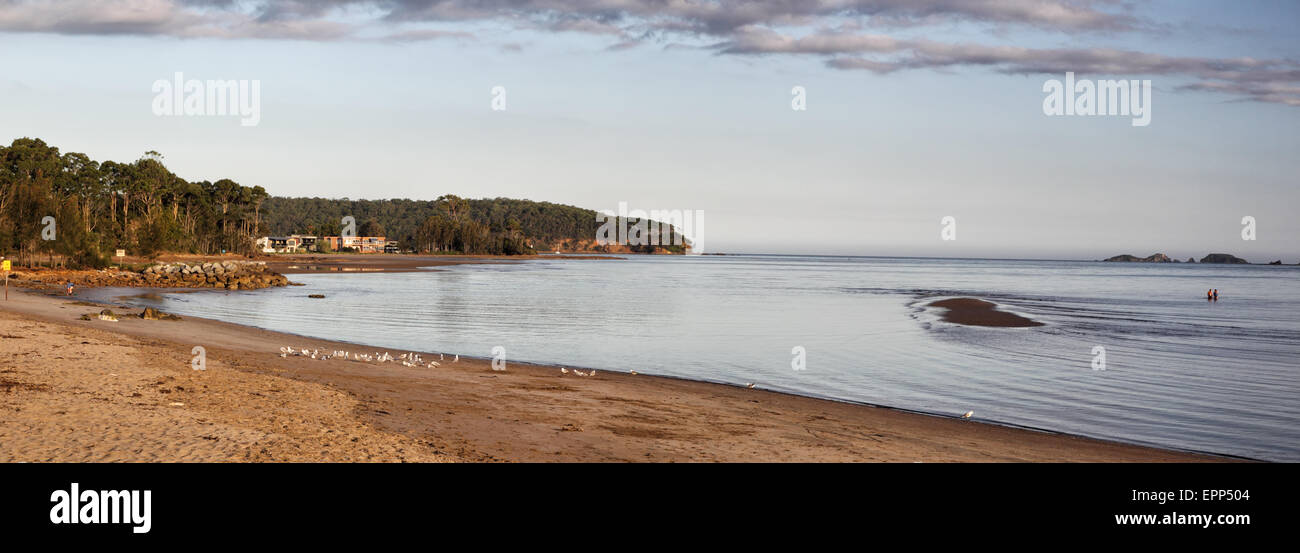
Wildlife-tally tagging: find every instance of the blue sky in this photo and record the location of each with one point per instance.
(668, 109)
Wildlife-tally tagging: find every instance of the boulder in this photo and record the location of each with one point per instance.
(152, 314)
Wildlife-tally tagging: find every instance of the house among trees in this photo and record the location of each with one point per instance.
(362, 244)
(278, 244)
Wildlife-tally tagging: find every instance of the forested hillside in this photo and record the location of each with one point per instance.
(66, 208)
(450, 223)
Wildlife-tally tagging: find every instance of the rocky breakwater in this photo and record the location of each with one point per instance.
(231, 275)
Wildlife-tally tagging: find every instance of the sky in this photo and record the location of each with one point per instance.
(916, 110)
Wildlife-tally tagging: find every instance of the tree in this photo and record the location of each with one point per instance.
(370, 228)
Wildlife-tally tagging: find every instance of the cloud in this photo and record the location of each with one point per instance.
(848, 35)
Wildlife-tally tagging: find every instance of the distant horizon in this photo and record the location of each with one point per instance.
(1095, 254)
(845, 129)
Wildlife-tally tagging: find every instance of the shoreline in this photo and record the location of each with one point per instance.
(553, 365)
(631, 413)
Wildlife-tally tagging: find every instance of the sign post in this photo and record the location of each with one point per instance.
(4, 265)
(121, 255)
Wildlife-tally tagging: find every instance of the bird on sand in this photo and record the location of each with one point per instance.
(751, 385)
(564, 370)
(457, 359)
(967, 415)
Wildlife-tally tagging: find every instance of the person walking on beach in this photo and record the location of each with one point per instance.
(69, 287)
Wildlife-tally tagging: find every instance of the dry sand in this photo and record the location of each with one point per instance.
(73, 390)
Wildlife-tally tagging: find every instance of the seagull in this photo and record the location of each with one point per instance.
(457, 359)
(633, 373)
(433, 364)
(564, 370)
(592, 373)
(968, 415)
(440, 358)
(751, 385)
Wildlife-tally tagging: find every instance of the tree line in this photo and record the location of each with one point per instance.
(449, 224)
(68, 209)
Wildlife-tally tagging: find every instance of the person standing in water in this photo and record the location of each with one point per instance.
(1209, 294)
(1216, 294)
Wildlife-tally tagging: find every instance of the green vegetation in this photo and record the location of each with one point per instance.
(99, 207)
(146, 209)
(449, 224)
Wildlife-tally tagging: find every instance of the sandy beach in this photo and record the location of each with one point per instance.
(91, 390)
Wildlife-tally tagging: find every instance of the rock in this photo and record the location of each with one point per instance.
(152, 314)
(107, 315)
(316, 295)
(1223, 258)
(1278, 262)
(234, 275)
(1153, 258)
(1191, 260)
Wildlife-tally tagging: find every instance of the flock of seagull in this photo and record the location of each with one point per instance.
(414, 360)
(406, 359)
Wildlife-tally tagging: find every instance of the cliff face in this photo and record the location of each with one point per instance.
(1222, 258)
(1153, 258)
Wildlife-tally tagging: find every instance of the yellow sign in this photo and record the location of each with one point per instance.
(4, 265)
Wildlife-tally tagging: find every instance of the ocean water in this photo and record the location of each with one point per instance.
(1180, 372)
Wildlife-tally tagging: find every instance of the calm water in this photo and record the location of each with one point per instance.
(1180, 372)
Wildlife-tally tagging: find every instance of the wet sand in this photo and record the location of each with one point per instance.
(975, 312)
(73, 390)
